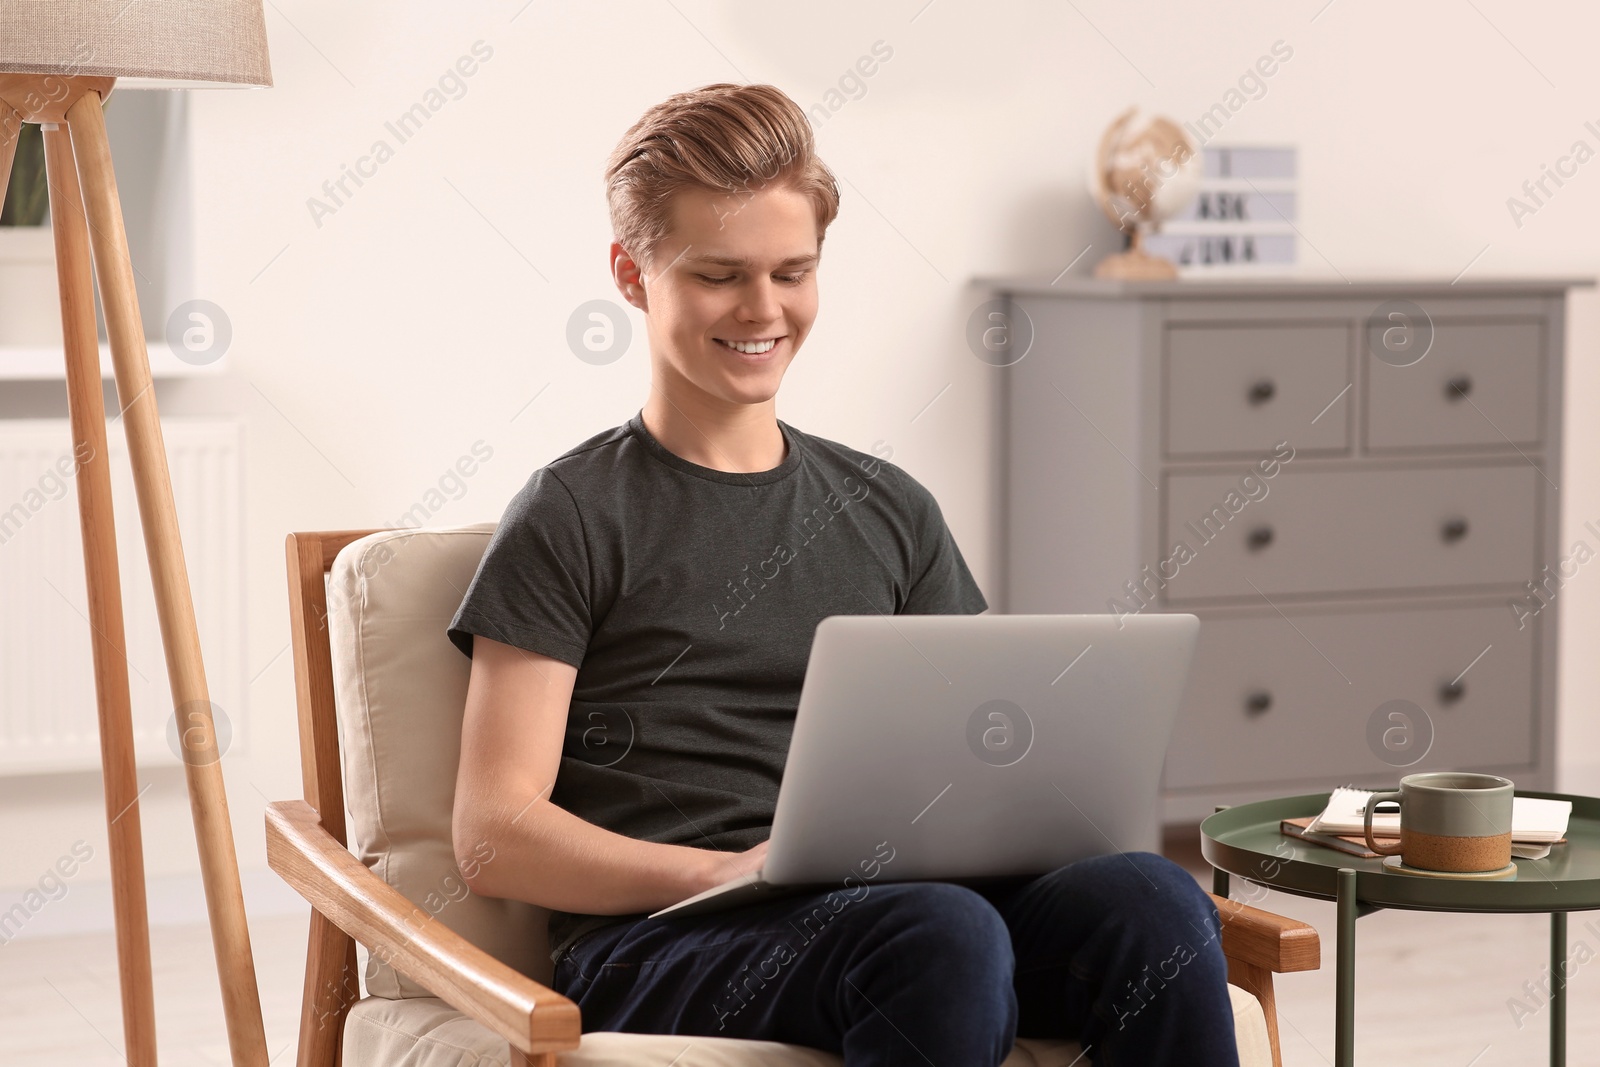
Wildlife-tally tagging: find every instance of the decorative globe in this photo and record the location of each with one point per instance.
(1146, 170)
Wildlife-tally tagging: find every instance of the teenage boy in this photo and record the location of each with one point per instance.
(639, 627)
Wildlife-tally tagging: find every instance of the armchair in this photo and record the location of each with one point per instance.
(454, 978)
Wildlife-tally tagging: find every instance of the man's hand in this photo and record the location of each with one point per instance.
(723, 866)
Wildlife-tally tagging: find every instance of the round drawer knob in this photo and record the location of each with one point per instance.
(1262, 391)
(1260, 538)
(1453, 530)
(1259, 702)
(1451, 692)
(1458, 387)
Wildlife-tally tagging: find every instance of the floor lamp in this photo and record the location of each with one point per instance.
(59, 59)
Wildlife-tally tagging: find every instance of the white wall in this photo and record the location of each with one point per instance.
(372, 351)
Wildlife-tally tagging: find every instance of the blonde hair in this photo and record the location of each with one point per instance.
(722, 137)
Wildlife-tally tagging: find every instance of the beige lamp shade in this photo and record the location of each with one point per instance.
(144, 44)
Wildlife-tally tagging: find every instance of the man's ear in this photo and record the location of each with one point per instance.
(629, 277)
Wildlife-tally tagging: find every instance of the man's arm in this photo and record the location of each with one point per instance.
(511, 842)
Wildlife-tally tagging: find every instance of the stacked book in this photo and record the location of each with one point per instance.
(1536, 824)
(1242, 221)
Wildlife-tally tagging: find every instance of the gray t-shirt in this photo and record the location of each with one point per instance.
(687, 598)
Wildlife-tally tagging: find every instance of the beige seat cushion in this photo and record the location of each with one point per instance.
(400, 689)
(428, 1032)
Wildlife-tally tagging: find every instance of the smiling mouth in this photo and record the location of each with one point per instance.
(750, 348)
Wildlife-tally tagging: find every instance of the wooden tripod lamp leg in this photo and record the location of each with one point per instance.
(10, 127)
(86, 407)
(208, 800)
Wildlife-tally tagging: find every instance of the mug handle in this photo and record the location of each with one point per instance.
(1366, 823)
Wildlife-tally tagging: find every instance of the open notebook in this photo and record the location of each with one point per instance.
(1535, 821)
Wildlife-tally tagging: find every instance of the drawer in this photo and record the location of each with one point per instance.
(1341, 531)
(1501, 365)
(1268, 701)
(1240, 389)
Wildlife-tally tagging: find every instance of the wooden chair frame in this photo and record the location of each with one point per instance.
(306, 846)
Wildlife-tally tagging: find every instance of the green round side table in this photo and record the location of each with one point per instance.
(1244, 841)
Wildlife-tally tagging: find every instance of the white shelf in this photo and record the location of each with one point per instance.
(46, 363)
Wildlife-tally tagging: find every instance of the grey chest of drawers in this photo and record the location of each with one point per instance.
(1355, 486)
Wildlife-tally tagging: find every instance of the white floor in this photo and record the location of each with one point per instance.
(1433, 990)
(60, 1003)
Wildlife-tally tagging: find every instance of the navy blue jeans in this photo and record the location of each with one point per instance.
(1119, 952)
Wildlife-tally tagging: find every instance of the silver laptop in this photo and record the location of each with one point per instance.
(955, 747)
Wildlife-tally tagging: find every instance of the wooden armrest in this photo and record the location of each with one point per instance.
(1251, 935)
(532, 1017)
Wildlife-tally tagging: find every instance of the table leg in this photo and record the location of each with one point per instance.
(1219, 877)
(1558, 989)
(1344, 1026)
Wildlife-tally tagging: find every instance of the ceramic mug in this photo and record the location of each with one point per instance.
(1456, 821)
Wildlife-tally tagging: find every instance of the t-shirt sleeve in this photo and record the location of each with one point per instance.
(533, 585)
(944, 585)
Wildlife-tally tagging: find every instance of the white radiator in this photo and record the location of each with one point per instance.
(48, 720)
